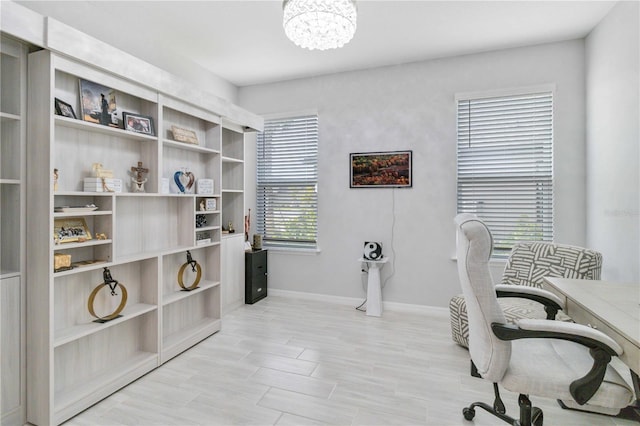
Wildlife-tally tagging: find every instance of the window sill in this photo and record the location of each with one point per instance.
(293, 250)
(492, 261)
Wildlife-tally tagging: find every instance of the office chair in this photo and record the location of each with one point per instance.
(527, 266)
(546, 358)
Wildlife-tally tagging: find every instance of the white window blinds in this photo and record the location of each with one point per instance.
(505, 173)
(287, 177)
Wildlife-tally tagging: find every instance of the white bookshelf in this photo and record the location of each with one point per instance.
(232, 152)
(13, 81)
(147, 235)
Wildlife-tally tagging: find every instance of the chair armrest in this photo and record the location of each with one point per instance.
(601, 347)
(584, 331)
(552, 303)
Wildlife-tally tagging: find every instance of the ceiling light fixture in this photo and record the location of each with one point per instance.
(319, 24)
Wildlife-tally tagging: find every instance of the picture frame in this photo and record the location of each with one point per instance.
(98, 103)
(64, 109)
(70, 230)
(204, 187)
(388, 169)
(184, 135)
(138, 123)
(211, 204)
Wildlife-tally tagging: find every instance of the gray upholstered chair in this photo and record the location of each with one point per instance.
(526, 266)
(552, 359)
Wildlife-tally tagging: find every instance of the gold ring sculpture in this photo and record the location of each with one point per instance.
(112, 284)
(195, 267)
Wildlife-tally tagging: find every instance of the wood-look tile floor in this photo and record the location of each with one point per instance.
(297, 362)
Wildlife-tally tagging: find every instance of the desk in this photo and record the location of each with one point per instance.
(374, 291)
(609, 307)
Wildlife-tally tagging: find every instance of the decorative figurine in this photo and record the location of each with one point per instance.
(184, 180)
(202, 206)
(103, 174)
(56, 175)
(231, 230)
(99, 172)
(247, 225)
(137, 181)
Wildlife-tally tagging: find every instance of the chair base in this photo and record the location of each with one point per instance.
(529, 416)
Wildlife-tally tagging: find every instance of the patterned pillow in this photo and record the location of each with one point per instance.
(529, 263)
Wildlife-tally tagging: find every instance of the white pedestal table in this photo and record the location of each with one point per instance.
(374, 290)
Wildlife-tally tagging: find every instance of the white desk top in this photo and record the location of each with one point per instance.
(614, 305)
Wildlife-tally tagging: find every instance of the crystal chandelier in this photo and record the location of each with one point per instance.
(319, 24)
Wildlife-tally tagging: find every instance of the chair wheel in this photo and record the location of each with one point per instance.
(536, 416)
(468, 413)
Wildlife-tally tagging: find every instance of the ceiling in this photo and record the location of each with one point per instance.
(243, 41)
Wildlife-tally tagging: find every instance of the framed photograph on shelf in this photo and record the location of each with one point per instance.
(70, 230)
(184, 135)
(64, 109)
(391, 169)
(98, 103)
(138, 123)
(211, 204)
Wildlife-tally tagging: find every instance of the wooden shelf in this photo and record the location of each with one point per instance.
(83, 194)
(232, 160)
(83, 268)
(181, 294)
(89, 243)
(7, 117)
(190, 147)
(207, 228)
(76, 214)
(70, 401)
(10, 181)
(4, 274)
(177, 342)
(69, 334)
(105, 130)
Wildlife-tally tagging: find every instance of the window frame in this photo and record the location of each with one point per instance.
(548, 230)
(306, 247)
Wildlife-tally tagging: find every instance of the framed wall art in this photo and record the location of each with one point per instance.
(392, 169)
(98, 103)
(70, 230)
(64, 109)
(138, 123)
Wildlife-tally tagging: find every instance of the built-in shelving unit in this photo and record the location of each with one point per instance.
(232, 152)
(13, 78)
(142, 238)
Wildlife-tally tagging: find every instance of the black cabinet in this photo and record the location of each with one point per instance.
(255, 275)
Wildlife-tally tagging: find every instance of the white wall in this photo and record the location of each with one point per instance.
(412, 107)
(613, 139)
(25, 21)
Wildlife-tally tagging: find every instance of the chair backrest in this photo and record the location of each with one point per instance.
(529, 262)
(475, 243)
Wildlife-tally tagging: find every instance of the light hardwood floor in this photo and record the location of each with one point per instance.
(297, 362)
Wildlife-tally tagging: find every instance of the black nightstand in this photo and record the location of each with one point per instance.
(255, 275)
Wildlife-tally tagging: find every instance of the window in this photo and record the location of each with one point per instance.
(505, 173)
(287, 177)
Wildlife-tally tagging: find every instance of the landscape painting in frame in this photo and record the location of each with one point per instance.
(98, 103)
(391, 169)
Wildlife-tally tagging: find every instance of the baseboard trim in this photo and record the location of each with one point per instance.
(352, 301)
